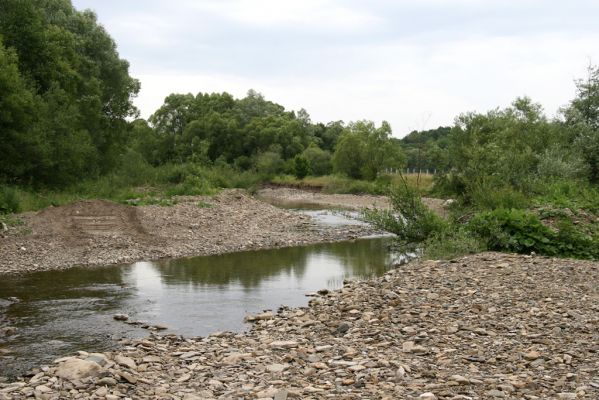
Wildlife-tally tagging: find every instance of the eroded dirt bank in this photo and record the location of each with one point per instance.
(102, 233)
(489, 326)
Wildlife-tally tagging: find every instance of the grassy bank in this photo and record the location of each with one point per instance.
(423, 183)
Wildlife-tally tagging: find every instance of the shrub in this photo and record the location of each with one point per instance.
(523, 232)
(9, 200)
(451, 244)
(410, 219)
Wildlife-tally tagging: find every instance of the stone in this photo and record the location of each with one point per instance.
(275, 368)
(342, 328)
(566, 396)
(460, 379)
(120, 317)
(125, 362)
(98, 358)
(284, 344)
(532, 355)
(77, 369)
(428, 396)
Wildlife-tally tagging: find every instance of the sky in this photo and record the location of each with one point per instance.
(416, 64)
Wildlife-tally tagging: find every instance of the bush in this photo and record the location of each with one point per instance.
(489, 198)
(523, 232)
(301, 167)
(410, 219)
(451, 244)
(9, 200)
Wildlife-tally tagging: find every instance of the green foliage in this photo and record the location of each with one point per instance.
(410, 219)
(451, 243)
(523, 232)
(319, 160)
(65, 94)
(427, 150)
(301, 167)
(9, 200)
(363, 151)
(491, 198)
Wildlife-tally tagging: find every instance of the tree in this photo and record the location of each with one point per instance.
(81, 89)
(301, 167)
(582, 120)
(364, 150)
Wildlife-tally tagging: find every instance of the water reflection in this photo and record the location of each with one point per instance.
(64, 311)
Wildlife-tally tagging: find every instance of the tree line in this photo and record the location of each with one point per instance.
(66, 114)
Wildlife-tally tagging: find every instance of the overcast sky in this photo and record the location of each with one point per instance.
(416, 64)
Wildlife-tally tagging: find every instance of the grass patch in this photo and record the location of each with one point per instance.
(337, 184)
(136, 184)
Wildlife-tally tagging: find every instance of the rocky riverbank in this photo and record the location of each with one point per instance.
(488, 326)
(99, 232)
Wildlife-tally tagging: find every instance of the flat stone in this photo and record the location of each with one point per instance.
(275, 368)
(284, 344)
(125, 362)
(77, 369)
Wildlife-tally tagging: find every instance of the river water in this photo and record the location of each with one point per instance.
(60, 312)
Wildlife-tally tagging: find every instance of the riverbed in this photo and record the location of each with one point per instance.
(57, 313)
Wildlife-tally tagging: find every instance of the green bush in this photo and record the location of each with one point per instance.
(451, 243)
(9, 200)
(490, 198)
(410, 219)
(523, 232)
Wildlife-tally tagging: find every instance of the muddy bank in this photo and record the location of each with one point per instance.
(99, 232)
(489, 326)
(290, 196)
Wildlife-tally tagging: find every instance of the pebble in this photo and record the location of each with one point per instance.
(398, 347)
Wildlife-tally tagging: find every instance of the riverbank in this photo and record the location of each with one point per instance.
(480, 327)
(291, 196)
(97, 232)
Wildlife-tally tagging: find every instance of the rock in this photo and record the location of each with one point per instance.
(275, 368)
(281, 395)
(532, 355)
(260, 317)
(495, 393)
(283, 344)
(427, 396)
(128, 377)
(125, 362)
(460, 379)
(566, 396)
(342, 328)
(77, 369)
(98, 358)
(120, 317)
(107, 381)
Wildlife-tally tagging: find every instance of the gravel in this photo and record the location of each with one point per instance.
(485, 326)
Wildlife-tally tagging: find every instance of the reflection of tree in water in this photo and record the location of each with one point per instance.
(248, 268)
(40, 292)
(362, 257)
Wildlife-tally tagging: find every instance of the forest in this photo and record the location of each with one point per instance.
(69, 130)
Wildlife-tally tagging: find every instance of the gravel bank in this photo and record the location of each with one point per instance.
(292, 196)
(91, 233)
(489, 326)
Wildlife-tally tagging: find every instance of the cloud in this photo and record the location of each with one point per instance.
(417, 64)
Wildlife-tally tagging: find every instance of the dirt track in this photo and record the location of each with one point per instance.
(100, 232)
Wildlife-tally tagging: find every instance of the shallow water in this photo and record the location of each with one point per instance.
(61, 312)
